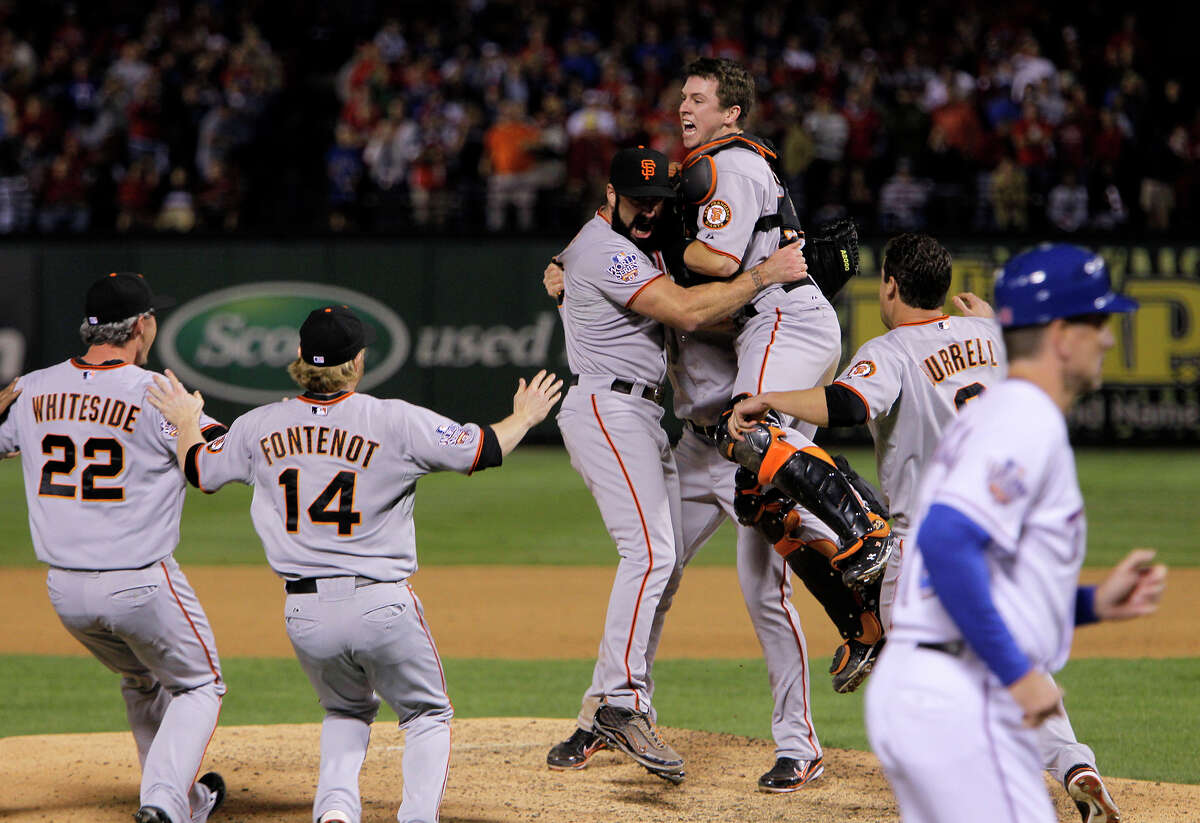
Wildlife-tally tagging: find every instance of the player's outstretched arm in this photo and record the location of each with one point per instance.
(806, 404)
(689, 309)
(180, 409)
(970, 304)
(1132, 589)
(532, 402)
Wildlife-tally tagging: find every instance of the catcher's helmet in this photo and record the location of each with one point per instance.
(1058, 280)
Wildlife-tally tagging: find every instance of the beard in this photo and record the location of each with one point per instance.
(641, 232)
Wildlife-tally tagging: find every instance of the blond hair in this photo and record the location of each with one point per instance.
(323, 379)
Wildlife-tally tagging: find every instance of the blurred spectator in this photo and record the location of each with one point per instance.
(221, 197)
(1067, 205)
(902, 200)
(427, 183)
(178, 213)
(550, 154)
(394, 144)
(64, 203)
(135, 195)
(1029, 67)
(1107, 205)
(508, 166)
(1009, 192)
(344, 171)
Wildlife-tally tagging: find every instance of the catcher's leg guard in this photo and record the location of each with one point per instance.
(855, 614)
(809, 477)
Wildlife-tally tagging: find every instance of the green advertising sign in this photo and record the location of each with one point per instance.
(236, 343)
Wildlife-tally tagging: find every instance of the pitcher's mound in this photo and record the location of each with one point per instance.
(498, 774)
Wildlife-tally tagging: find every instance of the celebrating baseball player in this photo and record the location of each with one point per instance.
(988, 601)
(907, 386)
(104, 501)
(790, 334)
(334, 475)
(616, 297)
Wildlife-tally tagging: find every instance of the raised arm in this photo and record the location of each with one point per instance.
(532, 402)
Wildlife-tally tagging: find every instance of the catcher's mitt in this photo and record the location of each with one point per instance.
(832, 255)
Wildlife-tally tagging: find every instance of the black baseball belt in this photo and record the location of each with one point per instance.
(954, 648)
(652, 393)
(706, 433)
(308, 585)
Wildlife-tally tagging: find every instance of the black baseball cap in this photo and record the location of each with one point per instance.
(641, 172)
(119, 296)
(332, 335)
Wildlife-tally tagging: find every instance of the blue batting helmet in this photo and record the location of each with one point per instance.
(1058, 280)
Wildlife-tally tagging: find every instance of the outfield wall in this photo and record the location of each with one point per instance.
(459, 321)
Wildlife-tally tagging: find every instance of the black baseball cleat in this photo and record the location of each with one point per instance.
(216, 785)
(150, 814)
(575, 751)
(674, 778)
(852, 662)
(789, 774)
(635, 734)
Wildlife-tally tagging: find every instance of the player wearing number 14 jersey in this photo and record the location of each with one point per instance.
(334, 475)
(104, 498)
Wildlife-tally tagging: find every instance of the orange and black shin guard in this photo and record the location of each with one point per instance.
(852, 617)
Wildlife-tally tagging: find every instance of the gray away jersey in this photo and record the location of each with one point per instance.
(101, 480)
(603, 273)
(913, 380)
(334, 479)
(746, 190)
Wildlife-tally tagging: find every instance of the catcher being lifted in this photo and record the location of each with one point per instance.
(834, 537)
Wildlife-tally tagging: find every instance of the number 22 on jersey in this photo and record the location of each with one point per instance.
(62, 452)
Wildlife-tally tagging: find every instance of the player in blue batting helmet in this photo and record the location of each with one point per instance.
(1051, 281)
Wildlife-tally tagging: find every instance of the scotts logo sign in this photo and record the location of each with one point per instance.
(236, 343)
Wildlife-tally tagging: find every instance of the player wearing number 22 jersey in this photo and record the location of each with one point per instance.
(105, 498)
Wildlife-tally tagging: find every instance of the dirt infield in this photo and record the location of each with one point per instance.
(498, 775)
(498, 768)
(540, 612)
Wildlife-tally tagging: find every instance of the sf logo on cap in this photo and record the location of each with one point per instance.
(648, 168)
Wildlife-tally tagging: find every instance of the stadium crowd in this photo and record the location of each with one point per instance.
(477, 115)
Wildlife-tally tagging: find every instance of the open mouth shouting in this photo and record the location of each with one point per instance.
(642, 227)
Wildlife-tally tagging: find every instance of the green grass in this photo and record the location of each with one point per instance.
(1132, 736)
(536, 510)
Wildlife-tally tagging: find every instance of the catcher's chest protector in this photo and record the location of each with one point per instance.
(698, 182)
